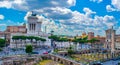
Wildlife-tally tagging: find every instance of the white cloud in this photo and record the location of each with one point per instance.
(6, 4)
(88, 12)
(115, 6)
(27, 5)
(2, 24)
(59, 12)
(1, 17)
(15, 4)
(71, 2)
(68, 22)
(118, 30)
(5, 23)
(98, 1)
(84, 21)
(28, 14)
(109, 8)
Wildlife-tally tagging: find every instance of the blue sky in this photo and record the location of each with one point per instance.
(69, 17)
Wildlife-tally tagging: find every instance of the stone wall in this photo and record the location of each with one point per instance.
(37, 58)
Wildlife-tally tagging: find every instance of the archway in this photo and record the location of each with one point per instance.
(71, 63)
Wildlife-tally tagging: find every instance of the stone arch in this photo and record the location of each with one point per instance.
(66, 54)
(58, 59)
(71, 63)
(61, 62)
(53, 58)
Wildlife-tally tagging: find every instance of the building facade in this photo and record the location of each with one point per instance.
(16, 29)
(6, 36)
(90, 35)
(34, 24)
(33, 28)
(112, 41)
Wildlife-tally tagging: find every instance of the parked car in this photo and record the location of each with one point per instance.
(45, 53)
(35, 53)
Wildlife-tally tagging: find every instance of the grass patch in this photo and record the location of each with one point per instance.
(48, 62)
(87, 58)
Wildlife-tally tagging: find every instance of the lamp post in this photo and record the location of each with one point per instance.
(5, 43)
(52, 39)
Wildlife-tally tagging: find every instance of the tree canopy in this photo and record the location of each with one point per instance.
(2, 42)
(28, 37)
(54, 37)
(29, 49)
(93, 40)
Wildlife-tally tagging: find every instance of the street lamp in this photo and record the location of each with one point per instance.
(52, 39)
(52, 32)
(5, 43)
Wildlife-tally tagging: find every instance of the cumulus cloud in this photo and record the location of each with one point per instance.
(59, 13)
(109, 8)
(1, 17)
(28, 5)
(115, 6)
(98, 1)
(87, 21)
(84, 21)
(2, 24)
(27, 15)
(15, 4)
(88, 12)
(59, 17)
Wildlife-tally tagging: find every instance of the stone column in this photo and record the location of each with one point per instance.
(29, 27)
(34, 27)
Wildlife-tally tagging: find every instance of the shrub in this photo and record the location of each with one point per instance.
(29, 49)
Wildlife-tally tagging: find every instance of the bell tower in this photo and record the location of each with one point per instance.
(110, 40)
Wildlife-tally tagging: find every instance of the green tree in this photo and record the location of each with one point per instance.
(31, 38)
(53, 39)
(15, 38)
(75, 40)
(43, 40)
(2, 42)
(70, 51)
(29, 49)
(37, 39)
(62, 40)
(92, 41)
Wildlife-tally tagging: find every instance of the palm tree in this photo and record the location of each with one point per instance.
(43, 40)
(92, 41)
(24, 38)
(69, 40)
(15, 38)
(31, 39)
(80, 41)
(21, 39)
(37, 39)
(53, 39)
(75, 40)
(62, 40)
